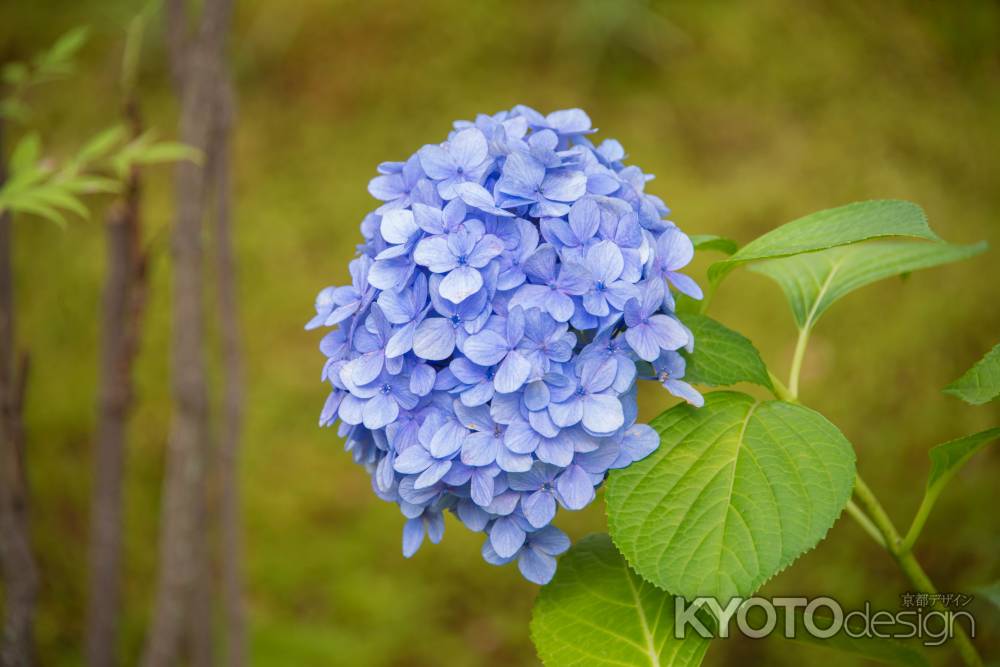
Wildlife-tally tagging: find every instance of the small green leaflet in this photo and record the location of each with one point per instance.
(981, 383)
(721, 356)
(101, 144)
(814, 281)
(829, 228)
(947, 458)
(26, 154)
(737, 490)
(714, 242)
(58, 56)
(597, 611)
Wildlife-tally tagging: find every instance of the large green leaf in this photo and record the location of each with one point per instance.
(981, 383)
(714, 242)
(736, 491)
(829, 228)
(812, 282)
(722, 356)
(597, 611)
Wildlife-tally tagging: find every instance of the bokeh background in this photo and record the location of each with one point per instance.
(750, 114)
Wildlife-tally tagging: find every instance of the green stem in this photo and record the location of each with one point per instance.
(779, 389)
(707, 297)
(910, 567)
(800, 353)
(919, 519)
(866, 524)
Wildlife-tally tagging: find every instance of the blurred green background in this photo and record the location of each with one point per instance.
(749, 114)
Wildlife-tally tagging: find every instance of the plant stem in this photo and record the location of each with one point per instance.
(707, 297)
(779, 389)
(919, 519)
(911, 568)
(800, 353)
(866, 524)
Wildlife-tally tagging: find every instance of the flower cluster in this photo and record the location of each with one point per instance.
(511, 288)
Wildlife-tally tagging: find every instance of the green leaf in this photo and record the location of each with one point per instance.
(28, 205)
(597, 611)
(101, 144)
(83, 184)
(814, 281)
(26, 153)
(981, 383)
(736, 491)
(54, 194)
(947, 458)
(714, 242)
(721, 356)
(829, 228)
(64, 48)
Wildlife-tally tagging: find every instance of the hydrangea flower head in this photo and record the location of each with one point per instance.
(513, 286)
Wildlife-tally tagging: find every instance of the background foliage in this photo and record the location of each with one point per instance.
(749, 117)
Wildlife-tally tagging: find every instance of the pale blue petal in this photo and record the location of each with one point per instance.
(682, 389)
(435, 471)
(565, 186)
(413, 460)
(448, 439)
(481, 487)
(486, 348)
(398, 226)
(575, 488)
(436, 162)
(550, 540)
(556, 451)
(512, 373)
(479, 197)
(668, 332)
(566, 414)
(520, 438)
(642, 339)
(480, 449)
(539, 508)
(380, 410)
(460, 284)
(506, 537)
(537, 567)
(435, 526)
(602, 413)
(434, 339)
(512, 462)
(434, 253)
(413, 536)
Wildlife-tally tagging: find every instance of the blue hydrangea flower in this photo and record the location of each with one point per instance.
(511, 288)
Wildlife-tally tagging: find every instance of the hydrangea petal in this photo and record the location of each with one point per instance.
(413, 536)
(506, 537)
(537, 567)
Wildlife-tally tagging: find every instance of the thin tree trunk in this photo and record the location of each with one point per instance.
(20, 573)
(124, 299)
(196, 65)
(229, 445)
